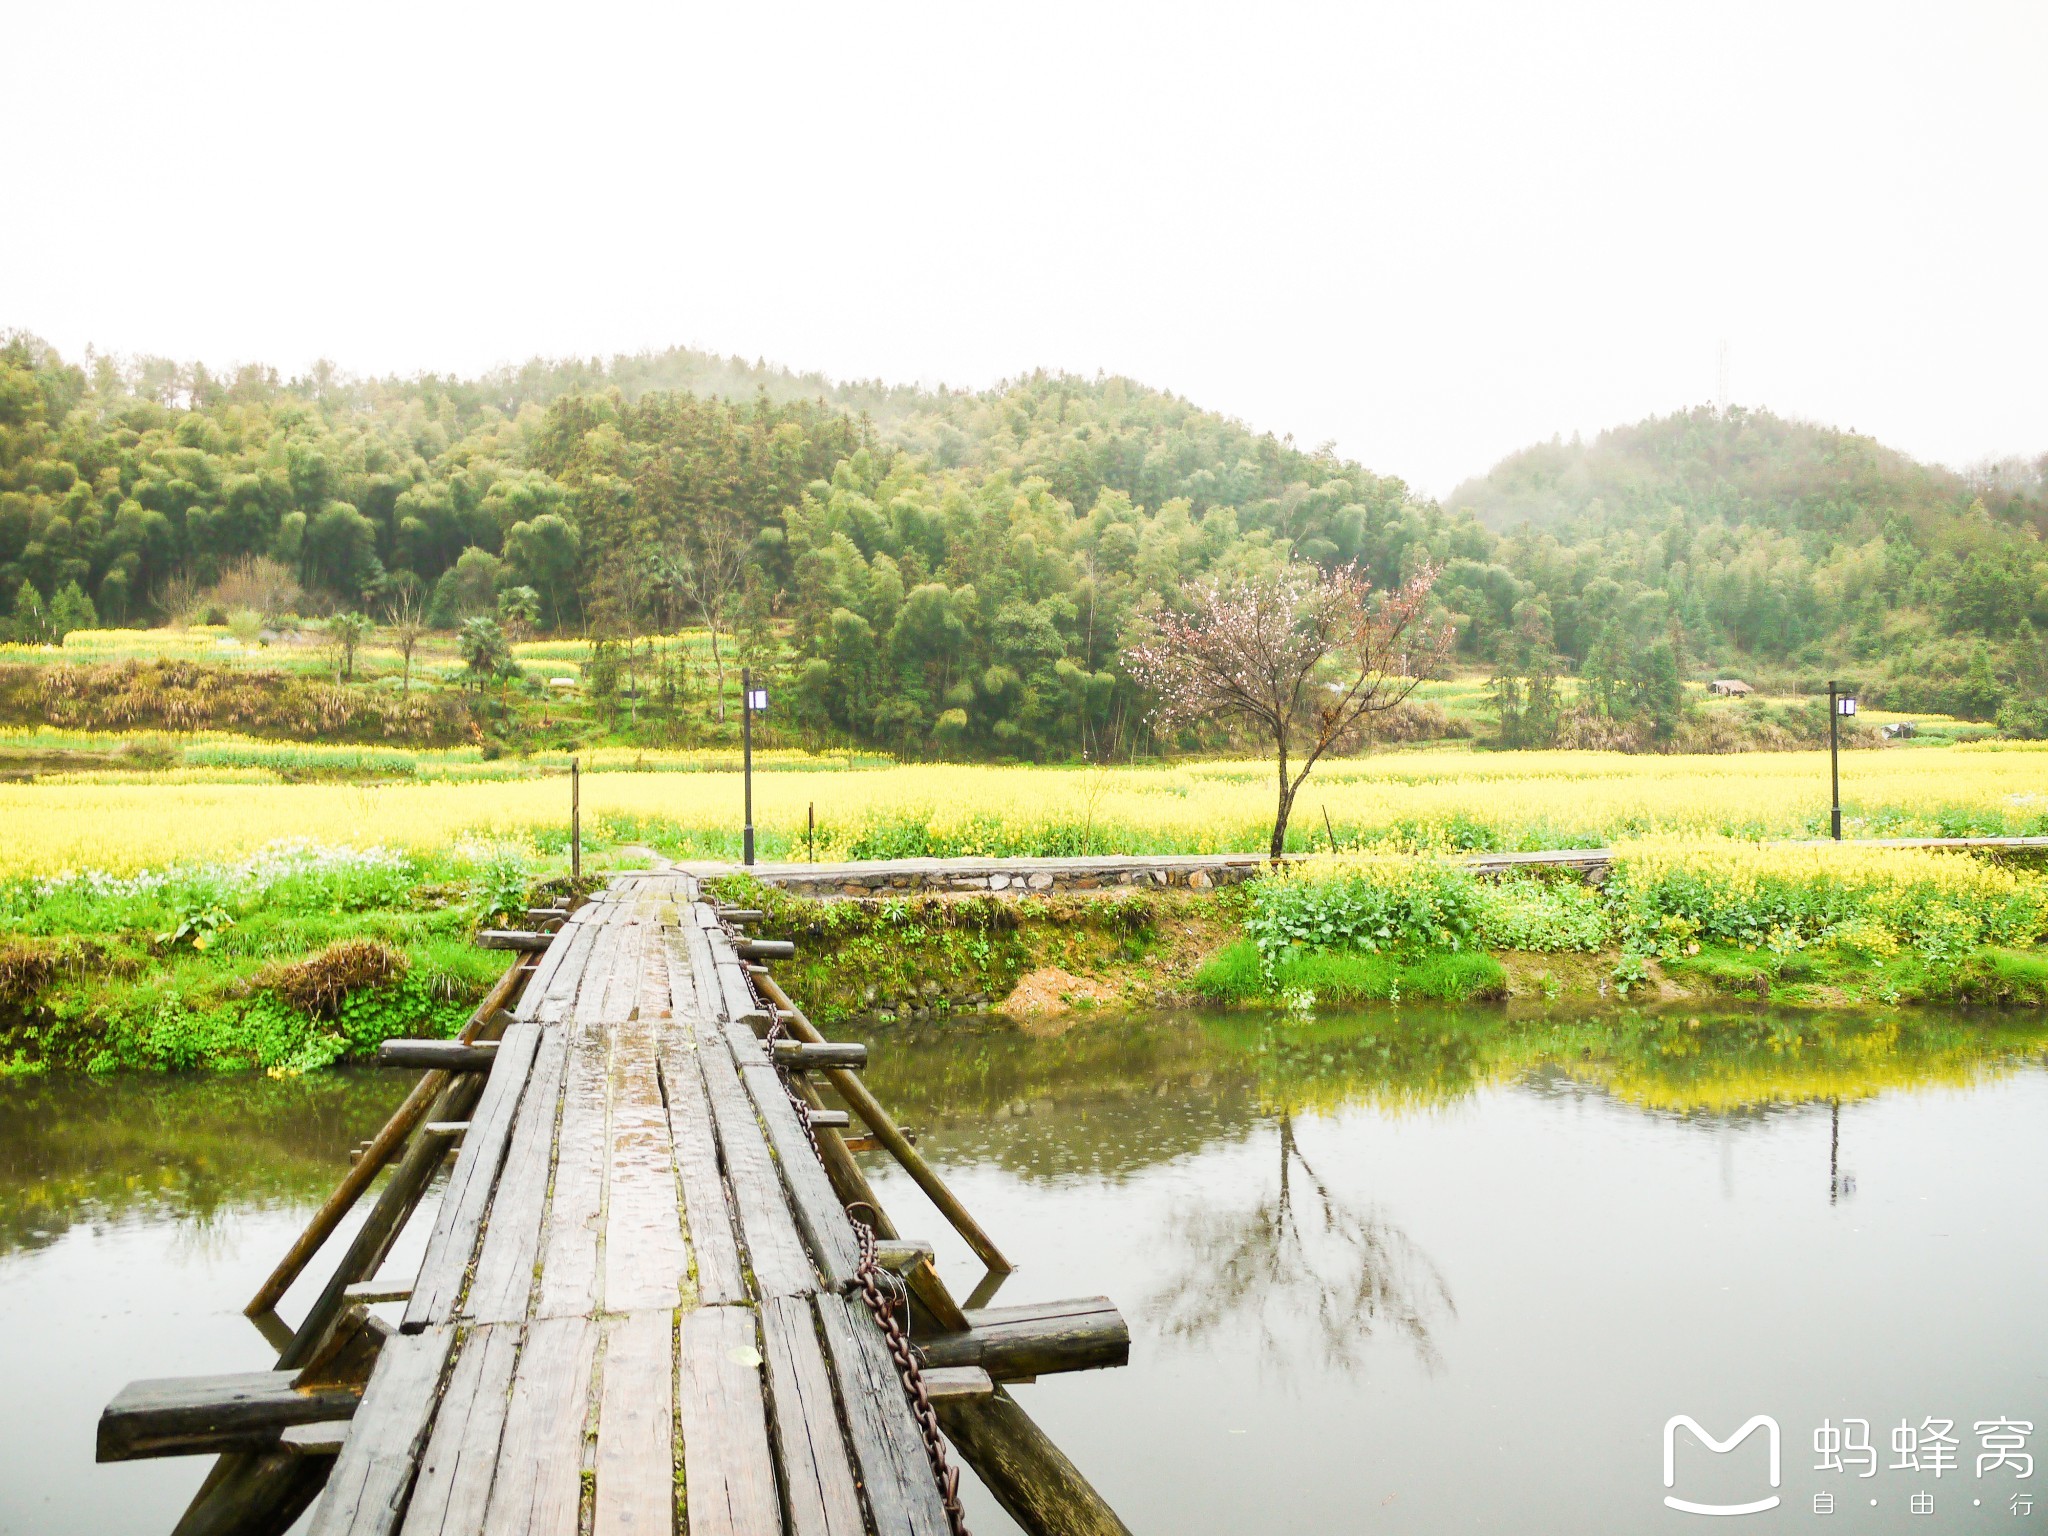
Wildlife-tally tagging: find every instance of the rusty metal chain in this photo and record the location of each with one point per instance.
(797, 1101)
(873, 1281)
(886, 1296)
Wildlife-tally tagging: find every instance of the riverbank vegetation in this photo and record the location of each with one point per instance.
(303, 955)
(286, 961)
(1674, 915)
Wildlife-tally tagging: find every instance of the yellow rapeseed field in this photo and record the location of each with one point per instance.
(1422, 798)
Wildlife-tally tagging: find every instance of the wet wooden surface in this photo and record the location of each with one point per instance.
(627, 1321)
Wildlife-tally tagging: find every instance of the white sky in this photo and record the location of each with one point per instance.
(1431, 232)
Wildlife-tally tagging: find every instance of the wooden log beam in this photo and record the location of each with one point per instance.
(191, 1415)
(383, 1147)
(765, 949)
(741, 914)
(830, 1120)
(874, 1143)
(254, 1493)
(807, 1056)
(438, 1055)
(514, 938)
(885, 1130)
(1011, 1343)
(1030, 1476)
(400, 1196)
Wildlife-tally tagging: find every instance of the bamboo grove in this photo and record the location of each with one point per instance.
(951, 573)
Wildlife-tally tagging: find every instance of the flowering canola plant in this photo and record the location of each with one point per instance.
(1423, 800)
(1671, 891)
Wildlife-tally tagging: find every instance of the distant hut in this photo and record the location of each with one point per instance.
(1729, 688)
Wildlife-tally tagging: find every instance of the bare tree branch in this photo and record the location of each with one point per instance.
(1301, 656)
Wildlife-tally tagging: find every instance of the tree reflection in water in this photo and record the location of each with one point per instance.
(1312, 1277)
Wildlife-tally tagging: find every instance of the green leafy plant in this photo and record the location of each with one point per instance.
(198, 925)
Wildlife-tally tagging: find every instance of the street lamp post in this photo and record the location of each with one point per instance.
(753, 701)
(1839, 704)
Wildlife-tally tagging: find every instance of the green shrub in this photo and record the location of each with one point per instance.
(1519, 912)
(1367, 902)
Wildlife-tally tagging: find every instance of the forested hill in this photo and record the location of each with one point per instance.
(957, 571)
(1773, 544)
(1739, 466)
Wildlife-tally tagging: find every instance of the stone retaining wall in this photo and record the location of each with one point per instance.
(1011, 877)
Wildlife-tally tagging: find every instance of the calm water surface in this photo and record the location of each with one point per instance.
(1423, 1272)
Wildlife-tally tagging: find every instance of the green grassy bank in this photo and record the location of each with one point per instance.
(288, 961)
(302, 956)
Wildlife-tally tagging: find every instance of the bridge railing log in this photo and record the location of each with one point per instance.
(382, 1148)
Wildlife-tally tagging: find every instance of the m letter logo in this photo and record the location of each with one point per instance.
(1762, 1420)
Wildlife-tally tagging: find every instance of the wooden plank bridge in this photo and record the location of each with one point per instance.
(645, 1304)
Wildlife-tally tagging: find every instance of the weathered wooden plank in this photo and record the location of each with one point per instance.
(460, 1463)
(569, 1275)
(503, 1283)
(594, 985)
(819, 1215)
(374, 1472)
(646, 1265)
(622, 974)
(962, 1381)
(728, 1471)
(817, 1474)
(551, 1002)
(887, 1447)
(703, 972)
(325, 1438)
(539, 1486)
(636, 1490)
(183, 1415)
(683, 1000)
(654, 1002)
(545, 967)
(741, 1006)
(774, 1248)
(719, 1277)
(468, 1193)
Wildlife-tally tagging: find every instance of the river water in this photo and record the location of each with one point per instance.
(1421, 1272)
